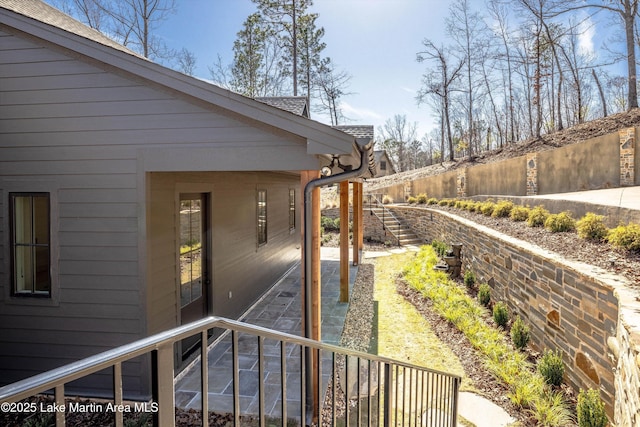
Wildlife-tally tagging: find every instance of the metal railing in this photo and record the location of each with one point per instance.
(350, 388)
(386, 213)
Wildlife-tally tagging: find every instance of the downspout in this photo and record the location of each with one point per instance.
(367, 163)
(366, 153)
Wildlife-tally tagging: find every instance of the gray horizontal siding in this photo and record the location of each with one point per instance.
(81, 128)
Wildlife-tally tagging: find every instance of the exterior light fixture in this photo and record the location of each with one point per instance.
(325, 171)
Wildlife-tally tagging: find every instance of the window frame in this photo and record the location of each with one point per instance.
(292, 209)
(261, 218)
(13, 245)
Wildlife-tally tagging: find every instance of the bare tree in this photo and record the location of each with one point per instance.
(130, 22)
(331, 86)
(396, 135)
(186, 62)
(465, 28)
(439, 82)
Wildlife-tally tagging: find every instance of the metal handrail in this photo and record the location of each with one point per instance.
(435, 396)
(385, 212)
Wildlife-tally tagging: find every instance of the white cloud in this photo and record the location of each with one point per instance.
(585, 38)
(359, 114)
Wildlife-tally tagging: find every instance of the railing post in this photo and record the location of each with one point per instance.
(387, 395)
(59, 397)
(166, 392)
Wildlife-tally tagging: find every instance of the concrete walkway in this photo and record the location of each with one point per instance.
(623, 197)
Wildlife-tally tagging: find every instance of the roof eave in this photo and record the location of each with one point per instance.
(321, 139)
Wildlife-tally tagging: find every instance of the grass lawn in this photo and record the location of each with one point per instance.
(400, 332)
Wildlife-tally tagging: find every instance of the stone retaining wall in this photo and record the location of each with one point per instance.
(587, 313)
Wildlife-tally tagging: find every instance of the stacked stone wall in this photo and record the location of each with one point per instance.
(570, 306)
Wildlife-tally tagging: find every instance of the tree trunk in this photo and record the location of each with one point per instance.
(601, 92)
(630, 7)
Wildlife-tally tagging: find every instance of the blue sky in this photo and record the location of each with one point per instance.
(374, 40)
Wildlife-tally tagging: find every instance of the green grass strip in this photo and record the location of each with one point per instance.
(453, 303)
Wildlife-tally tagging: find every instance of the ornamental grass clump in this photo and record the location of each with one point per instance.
(502, 209)
(625, 237)
(519, 213)
(501, 314)
(520, 333)
(590, 409)
(412, 200)
(537, 216)
(487, 208)
(591, 227)
(422, 198)
(473, 206)
(443, 202)
(432, 201)
(560, 223)
(551, 367)
(484, 294)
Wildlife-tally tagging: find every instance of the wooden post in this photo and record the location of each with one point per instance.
(357, 208)
(344, 241)
(361, 216)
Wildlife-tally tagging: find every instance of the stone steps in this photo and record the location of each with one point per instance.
(401, 231)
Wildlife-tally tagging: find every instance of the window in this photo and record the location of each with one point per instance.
(262, 217)
(292, 209)
(383, 165)
(30, 247)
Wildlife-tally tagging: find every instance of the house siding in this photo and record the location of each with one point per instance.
(88, 134)
(238, 264)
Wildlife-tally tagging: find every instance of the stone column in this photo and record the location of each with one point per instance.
(461, 185)
(532, 174)
(627, 156)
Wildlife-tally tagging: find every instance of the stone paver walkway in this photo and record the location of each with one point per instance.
(279, 309)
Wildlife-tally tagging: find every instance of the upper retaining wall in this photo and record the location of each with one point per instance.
(593, 164)
(580, 309)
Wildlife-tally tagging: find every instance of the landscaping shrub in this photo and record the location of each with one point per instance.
(591, 227)
(422, 198)
(502, 209)
(626, 237)
(484, 294)
(520, 333)
(432, 201)
(537, 216)
(329, 224)
(461, 204)
(386, 199)
(440, 247)
(472, 206)
(559, 223)
(501, 314)
(519, 213)
(444, 202)
(551, 367)
(451, 202)
(590, 409)
(469, 278)
(412, 200)
(487, 208)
